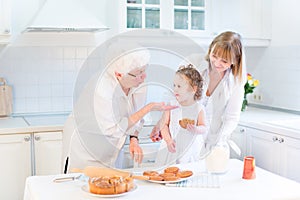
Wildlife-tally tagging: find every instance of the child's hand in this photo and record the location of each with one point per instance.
(155, 135)
(196, 129)
(171, 146)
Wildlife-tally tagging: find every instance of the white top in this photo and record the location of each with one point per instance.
(266, 186)
(222, 108)
(188, 145)
(102, 130)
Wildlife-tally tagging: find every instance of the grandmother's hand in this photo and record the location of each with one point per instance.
(161, 106)
(136, 152)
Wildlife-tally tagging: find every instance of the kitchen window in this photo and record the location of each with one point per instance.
(143, 14)
(187, 16)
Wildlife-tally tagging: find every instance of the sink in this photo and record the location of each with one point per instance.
(289, 124)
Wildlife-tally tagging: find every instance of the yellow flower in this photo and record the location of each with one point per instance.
(255, 83)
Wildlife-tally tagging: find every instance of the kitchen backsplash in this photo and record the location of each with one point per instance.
(277, 68)
(43, 78)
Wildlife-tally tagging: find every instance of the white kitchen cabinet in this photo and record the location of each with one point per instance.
(251, 18)
(47, 151)
(15, 164)
(201, 19)
(190, 17)
(275, 152)
(239, 137)
(27, 154)
(5, 21)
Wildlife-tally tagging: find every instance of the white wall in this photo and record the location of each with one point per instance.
(42, 67)
(278, 66)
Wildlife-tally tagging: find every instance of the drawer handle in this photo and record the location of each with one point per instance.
(281, 140)
(275, 139)
(27, 138)
(150, 161)
(37, 137)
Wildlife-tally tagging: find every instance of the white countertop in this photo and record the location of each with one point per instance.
(231, 186)
(284, 123)
(32, 123)
(271, 120)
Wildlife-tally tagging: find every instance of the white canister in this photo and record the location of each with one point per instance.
(217, 160)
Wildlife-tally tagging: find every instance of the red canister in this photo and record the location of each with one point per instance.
(249, 168)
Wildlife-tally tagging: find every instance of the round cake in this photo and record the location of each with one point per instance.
(110, 184)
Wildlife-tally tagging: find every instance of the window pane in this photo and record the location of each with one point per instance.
(199, 3)
(152, 18)
(181, 2)
(134, 17)
(198, 20)
(152, 2)
(181, 19)
(134, 1)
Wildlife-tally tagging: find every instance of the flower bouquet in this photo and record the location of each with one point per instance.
(248, 88)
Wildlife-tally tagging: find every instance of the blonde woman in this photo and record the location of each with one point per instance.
(224, 87)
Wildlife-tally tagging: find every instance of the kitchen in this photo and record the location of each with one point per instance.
(42, 67)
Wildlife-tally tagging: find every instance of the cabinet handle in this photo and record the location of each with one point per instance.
(275, 139)
(150, 161)
(281, 140)
(37, 137)
(27, 138)
(242, 130)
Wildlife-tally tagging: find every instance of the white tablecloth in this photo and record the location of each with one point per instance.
(266, 186)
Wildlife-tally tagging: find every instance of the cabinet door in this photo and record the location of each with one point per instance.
(15, 165)
(48, 152)
(264, 147)
(5, 17)
(239, 137)
(251, 18)
(289, 164)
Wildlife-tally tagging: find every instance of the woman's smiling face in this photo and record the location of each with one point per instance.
(183, 91)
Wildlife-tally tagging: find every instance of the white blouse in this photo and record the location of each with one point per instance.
(222, 108)
(101, 144)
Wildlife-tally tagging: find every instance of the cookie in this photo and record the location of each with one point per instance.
(185, 121)
(185, 174)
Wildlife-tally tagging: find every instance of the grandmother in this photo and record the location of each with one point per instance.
(119, 108)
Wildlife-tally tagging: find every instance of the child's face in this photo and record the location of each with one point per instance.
(183, 91)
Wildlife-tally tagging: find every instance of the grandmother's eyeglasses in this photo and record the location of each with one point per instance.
(131, 75)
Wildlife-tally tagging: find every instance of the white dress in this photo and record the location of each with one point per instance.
(188, 145)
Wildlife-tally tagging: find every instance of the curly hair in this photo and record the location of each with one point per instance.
(194, 78)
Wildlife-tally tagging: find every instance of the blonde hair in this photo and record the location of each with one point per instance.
(194, 78)
(228, 46)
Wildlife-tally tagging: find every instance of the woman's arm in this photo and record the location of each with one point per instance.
(134, 118)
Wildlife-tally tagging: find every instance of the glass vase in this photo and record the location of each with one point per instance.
(245, 103)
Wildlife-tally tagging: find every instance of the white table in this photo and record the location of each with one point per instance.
(232, 186)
